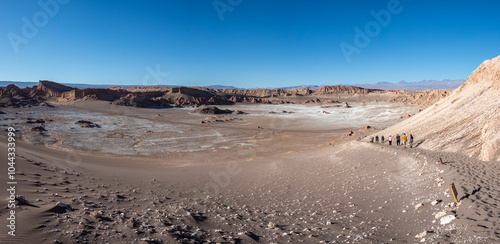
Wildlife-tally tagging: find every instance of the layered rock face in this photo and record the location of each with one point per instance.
(466, 121)
(148, 96)
(427, 97)
(196, 96)
(53, 89)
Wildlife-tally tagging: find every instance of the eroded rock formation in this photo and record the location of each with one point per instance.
(195, 96)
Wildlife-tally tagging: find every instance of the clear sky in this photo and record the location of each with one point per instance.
(245, 43)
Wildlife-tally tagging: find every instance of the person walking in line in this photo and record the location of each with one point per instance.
(390, 140)
(404, 137)
(398, 140)
(382, 139)
(376, 139)
(371, 139)
(411, 140)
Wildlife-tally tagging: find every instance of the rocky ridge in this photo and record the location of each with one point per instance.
(196, 96)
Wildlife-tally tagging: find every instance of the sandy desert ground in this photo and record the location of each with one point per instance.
(278, 174)
(89, 171)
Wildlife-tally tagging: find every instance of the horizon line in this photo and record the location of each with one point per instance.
(237, 87)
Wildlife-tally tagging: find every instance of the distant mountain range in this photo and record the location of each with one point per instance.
(223, 87)
(302, 86)
(20, 84)
(402, 85)
(23, 84)
(417, 85)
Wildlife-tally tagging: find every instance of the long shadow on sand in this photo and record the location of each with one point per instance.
(30, 205)
(418, 144)
(467, 195)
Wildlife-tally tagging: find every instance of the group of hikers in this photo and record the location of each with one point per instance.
(404, 138)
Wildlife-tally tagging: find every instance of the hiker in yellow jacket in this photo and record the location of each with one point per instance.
(404, 139)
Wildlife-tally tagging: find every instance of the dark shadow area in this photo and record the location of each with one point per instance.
(60, 210)
(21, 201)
(104, 218)
(467, 195)
(199, 217)
(418, 144)
(30, 205)
(253, 236)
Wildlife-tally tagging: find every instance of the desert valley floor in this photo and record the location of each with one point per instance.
(271, 174)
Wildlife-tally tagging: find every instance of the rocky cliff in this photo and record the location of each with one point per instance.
(195, 96)
(16, 97)
(426, 98)
(53, 89)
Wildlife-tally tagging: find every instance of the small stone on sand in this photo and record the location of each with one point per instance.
(447, 219)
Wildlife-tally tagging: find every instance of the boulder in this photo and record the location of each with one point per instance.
(87, 124)
(38, 129)
(211, 110)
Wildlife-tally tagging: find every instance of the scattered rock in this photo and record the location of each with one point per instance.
(321, 100)
(38, 121)
(96, 214)
(211, 110)
(61, 207)
(440, 215)
(271, 225)
(447, 219)
(38, 129)
(44, 104)
(238, 112)
(423, 234)
(64, 205)
(418, 206)
(87, 124)
(218, 119)
(22, 200)
(435, 202)
(366, 128)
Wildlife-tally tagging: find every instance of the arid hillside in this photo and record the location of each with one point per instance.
(466, 121)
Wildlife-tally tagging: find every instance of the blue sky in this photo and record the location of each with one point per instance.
(244, 43)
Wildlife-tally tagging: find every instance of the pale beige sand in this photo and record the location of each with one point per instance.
(356, 192)
(260, 178)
